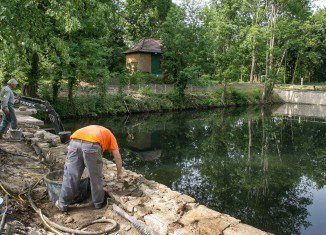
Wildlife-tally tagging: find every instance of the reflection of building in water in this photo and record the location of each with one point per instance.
(146, 146)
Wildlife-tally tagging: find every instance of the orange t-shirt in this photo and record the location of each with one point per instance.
(97, 134)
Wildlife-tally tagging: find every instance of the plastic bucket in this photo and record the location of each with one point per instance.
(64, 136)
(53, 182)
(16, 134)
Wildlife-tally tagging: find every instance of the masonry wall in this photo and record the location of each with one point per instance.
(303, 97)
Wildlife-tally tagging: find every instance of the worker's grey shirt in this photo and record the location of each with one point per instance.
(7, 97)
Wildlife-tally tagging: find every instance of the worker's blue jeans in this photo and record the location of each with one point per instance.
(82, 154)
(8, 119)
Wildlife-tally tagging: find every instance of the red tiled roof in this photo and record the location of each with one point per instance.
(150, 45)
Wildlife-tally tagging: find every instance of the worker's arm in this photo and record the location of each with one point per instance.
(5, 93)
(118, 162)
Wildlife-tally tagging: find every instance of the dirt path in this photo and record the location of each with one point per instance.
(21, 168)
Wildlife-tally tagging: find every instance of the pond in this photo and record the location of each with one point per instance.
(256, 164)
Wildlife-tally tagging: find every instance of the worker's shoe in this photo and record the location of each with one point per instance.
(101, 205)
(60, 207)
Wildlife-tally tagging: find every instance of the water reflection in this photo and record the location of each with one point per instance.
(259, 168)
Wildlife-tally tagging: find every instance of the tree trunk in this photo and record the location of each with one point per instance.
(55, 89)
(280, 64)
(285, 65)
(269, 82)
(30, 89)
(253, 61)
(253, 53)
(295, 68)
(249, 140)
(223, 96)
(71, 83)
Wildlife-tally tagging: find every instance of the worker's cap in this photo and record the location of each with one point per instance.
(12, 81)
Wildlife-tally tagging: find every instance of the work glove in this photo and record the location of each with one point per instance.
(6, 110)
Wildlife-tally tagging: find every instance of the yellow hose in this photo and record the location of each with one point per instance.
(46, 224)
(18, 199)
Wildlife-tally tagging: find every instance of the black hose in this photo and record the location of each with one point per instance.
(69, 230)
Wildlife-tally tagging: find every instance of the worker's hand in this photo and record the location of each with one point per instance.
(119, 177)
(16, 99)
(6, 110)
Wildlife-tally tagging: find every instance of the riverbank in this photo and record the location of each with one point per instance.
(145, 100)
(154, 206)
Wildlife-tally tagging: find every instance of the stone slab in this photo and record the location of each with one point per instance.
(243, 229)
(29, 120)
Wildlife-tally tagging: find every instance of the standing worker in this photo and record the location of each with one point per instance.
(85, 150)
(7, 104)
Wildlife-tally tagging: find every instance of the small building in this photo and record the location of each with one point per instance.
(145, 56)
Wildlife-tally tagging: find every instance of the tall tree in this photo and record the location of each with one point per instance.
(24, 28)
(144, 18)
(226, 29)
(72, 41)
(181, 39)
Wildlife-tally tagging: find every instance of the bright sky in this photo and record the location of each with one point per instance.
(317, 3)
(320, 3)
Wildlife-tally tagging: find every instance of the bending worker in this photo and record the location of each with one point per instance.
(7, 104)
(85, 150)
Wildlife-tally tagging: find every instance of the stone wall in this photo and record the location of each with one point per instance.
(302, 97)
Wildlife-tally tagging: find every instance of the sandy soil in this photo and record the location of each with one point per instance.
(20, 169)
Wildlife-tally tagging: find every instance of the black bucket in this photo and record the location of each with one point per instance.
(64, 136)
(53, 182)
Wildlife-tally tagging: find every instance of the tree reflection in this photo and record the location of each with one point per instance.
(245, 163)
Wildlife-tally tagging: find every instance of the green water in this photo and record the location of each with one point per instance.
(266, 170)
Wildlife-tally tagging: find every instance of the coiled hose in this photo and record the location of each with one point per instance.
(51, 224)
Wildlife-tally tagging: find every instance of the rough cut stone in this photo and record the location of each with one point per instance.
(40, 134)
(233, 221)
(132, 203)
(212, 226)
(22, 120)
(191, 206)
(243, 229)
(185, 231)
(199, 213)
(171, 195)
(27, 134)
(158, 222)
(22, 108)
(186, 198)
(168, 206)
(141, 211)
(52, 138)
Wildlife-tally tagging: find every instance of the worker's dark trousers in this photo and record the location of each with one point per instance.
(82, 154)
(6, 120)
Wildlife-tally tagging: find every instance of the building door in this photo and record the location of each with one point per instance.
(156, 63)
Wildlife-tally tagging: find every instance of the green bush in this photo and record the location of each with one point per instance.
(238, 97)
(145, 78)
(94, 105)
(146, 90)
